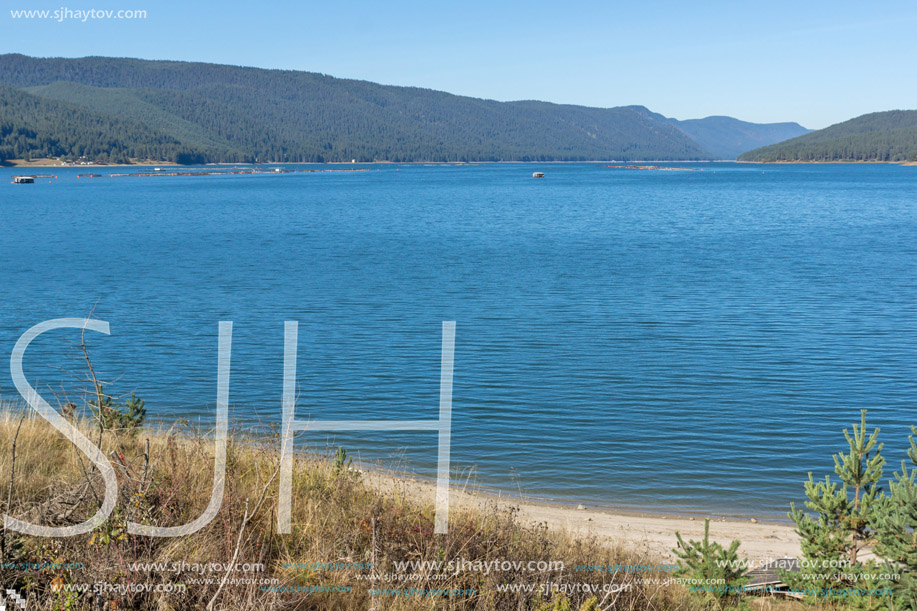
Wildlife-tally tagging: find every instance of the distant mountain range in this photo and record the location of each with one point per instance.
(727, 137)
(115, 109)
(878, 136)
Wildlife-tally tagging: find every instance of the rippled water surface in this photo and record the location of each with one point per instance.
(666, 340)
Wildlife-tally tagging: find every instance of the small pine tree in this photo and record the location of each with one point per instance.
(717, 573)
(841, 528)
(127, 418)
(341, 461)
(134, 413)
(896, 530)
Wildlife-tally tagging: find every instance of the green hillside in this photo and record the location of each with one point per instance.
(879, 136)
(228, 113)
(130, 105)
(34, 127)
(195, 112)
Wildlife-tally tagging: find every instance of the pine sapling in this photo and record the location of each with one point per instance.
(896, 530)
(717, 574)
(833, 539)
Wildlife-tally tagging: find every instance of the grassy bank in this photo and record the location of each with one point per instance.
(165, 478)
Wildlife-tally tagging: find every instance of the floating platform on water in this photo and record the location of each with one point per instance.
(275, 171)
(654, 167)
(30, 179)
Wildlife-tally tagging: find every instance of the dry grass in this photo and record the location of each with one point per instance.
(336, 516)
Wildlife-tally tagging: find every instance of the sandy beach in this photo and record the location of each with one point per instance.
(647, 534)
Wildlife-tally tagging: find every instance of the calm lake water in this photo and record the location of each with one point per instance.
(676, 341)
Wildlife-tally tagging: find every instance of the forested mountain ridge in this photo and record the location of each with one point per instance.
(48, 128)
(207, 112)
(878, 136)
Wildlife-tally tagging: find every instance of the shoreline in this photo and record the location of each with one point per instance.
(847, 162)
(19, 164)
(349, 534)
(645, 532)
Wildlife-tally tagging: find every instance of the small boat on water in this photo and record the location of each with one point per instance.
(23, 180)
(537, 174)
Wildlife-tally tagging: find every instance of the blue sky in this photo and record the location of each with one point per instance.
(808, 61)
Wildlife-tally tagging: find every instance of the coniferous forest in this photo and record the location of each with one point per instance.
(878, 136)
(115, 110)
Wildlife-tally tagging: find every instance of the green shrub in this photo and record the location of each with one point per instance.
(716, 571)
(896, 531)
